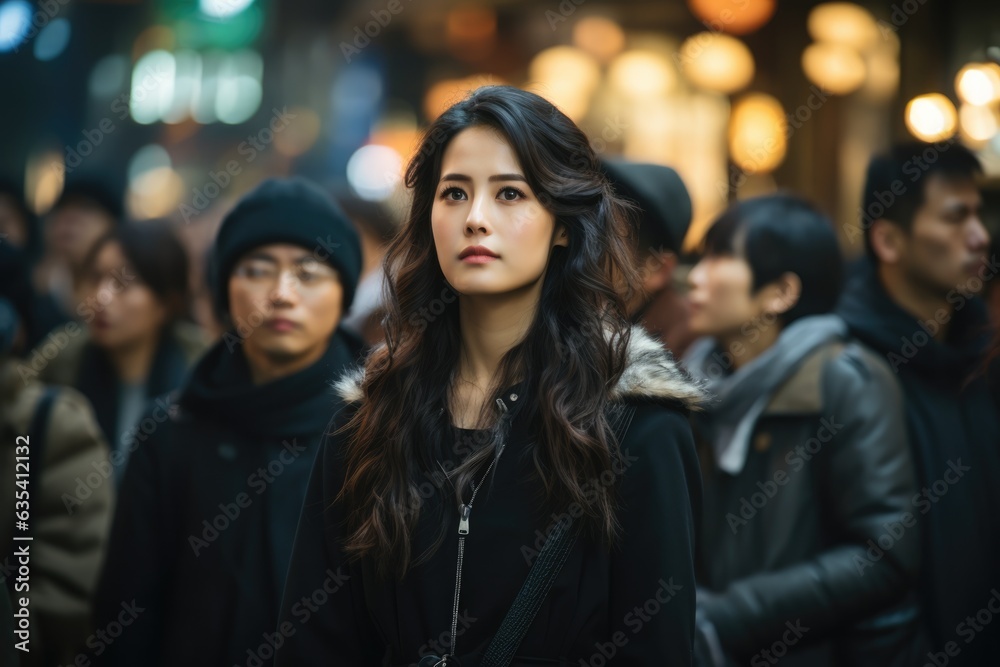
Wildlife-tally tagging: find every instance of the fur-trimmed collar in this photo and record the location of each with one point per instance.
(650, 372)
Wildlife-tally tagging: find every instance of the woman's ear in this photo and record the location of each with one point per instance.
(561, 237)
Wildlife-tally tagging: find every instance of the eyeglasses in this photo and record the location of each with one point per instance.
(261, 275)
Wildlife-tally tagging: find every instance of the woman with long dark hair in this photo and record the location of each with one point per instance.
(512, 417)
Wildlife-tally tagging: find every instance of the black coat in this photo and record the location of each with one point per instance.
(954, 432)
(788, 549)
(207, 511)
(640, 592)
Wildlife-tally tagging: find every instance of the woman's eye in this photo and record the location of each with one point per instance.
(510, 194)
(454, 194)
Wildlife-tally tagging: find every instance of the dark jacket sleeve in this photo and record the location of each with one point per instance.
(652, 596)
(139, 564)
(867, 479)
(323, 611)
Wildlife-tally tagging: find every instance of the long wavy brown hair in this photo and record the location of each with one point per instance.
(573, 352)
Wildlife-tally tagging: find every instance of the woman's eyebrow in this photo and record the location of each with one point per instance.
(495, 177)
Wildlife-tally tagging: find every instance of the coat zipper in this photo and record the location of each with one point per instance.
(464, 513)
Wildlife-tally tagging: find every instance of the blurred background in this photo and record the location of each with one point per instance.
(183, 105)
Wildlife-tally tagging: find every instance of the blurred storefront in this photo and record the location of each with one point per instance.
(188, 103)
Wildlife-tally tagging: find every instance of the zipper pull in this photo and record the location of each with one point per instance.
(463, 519)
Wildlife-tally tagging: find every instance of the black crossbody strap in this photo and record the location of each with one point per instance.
(543, 573)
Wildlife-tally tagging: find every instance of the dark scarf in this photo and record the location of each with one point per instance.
(98, 380)
(296, 405)
(883, 325)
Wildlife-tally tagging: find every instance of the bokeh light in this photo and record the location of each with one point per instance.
(931, 117)
(834, 67)
(717, 62)
(757, 133)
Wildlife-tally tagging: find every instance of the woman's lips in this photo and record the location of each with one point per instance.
(479, 259)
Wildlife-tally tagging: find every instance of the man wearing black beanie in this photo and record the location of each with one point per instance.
(210, 499)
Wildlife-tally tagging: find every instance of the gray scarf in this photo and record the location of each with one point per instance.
(741, 396)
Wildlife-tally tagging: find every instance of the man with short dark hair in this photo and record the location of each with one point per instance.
(914, 300)
(211, 497)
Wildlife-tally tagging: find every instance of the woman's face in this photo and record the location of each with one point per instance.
(122, 310)
(483, 199)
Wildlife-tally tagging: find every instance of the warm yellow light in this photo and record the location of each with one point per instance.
(565, 63)
(45, 175)
(717, 62)
(757, 133)
(978, 124)
(843, 23)
(931, 117)
(978, 83)
(445, 93)
(565, 76)
(642, 74)
(833, 67)
(738, 17)
(882, 64)
(600, 37)
(154, 194)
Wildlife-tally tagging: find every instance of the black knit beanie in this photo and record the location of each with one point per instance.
(661, 196)
(291, 210)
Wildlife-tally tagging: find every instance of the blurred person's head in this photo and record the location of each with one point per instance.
(135, 283)
(922, 216)
(663, 216)
(767, 262)
(376, 224)
(17, 223)
(16, 291)
(85, 211)
(285, 267)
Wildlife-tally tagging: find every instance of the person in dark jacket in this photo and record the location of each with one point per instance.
(50, 441)
(807, 527)
(508, 355)
(664, 215)
(914, 300)
(207, 511)
(21, 231)
(136, 346)
(89, 206)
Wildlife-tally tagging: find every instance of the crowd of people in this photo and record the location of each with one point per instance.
(768, 455)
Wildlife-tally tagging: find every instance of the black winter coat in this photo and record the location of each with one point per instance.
(954, 431)
(632, 604)
(816, 534)
(207, 511)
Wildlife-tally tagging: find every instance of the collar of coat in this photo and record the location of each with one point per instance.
(651, 373)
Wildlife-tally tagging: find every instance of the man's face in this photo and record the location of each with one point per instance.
(288, 301)
(721, 296)
(946, 248)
